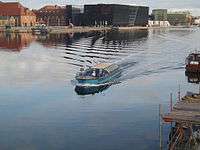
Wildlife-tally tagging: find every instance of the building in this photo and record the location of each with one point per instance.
(21, 15)
(4, 20)
(115, 15)
(52, 15)
(196, 21)
(158, 18)
(152, 23)
(159, 14)
(179, 18)
(76, 14)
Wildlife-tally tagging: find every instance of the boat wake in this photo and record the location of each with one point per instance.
(156, 52)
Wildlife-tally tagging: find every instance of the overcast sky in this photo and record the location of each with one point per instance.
(172, 4)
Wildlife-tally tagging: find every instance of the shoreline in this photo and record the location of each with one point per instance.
(81, 29)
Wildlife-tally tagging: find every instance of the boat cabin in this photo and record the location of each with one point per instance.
(94, 72)
(193, 62)
(98, 71)
(193, 58)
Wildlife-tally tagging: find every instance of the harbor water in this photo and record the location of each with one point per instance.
(40, 109)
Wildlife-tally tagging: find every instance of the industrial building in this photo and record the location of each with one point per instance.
(75, 14)
(115, 15)
(159, 14)
(158, 18)
(179, 18)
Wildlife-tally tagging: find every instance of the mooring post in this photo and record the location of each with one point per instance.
(160, 125)
(199, 88)
(179, 92)
(171, 108)
(171, 102)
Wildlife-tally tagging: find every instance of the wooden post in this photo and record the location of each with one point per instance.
(161, 126)
(179, 92)
(171, 108)
(199, 88)
(171, 102)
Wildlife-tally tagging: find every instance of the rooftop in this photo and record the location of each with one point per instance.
(14, 9)
(51, 7)
(102, 65)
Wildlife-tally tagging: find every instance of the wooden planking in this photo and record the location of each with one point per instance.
(186, 110)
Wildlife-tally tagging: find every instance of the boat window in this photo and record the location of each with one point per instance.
(94, 73)
(88, 72)
(191, 58)
(100, 73)
(104, 73)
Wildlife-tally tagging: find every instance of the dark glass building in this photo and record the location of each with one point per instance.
(115, 15)
(74, 14)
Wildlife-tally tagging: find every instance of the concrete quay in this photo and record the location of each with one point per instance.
(80, 29)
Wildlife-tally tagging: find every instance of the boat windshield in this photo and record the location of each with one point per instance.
(94, 73)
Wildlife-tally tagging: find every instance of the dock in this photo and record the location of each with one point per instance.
(184, 118)
(186, 110)
(77, 29)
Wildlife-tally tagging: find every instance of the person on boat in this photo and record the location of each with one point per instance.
(97, 73)
(94, 73)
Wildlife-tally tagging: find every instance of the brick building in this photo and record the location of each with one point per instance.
(52, 15)
(13, 10)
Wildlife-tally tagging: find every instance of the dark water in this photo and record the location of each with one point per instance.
(39, 109)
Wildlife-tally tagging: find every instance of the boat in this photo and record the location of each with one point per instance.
(97, 78)
(114, 29)
(99, 74)
(40, 29)
(193, 77)
(8, 29)
(193, 63)
(92, 89)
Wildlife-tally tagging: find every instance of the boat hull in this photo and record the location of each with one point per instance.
(109, 79)
(192, 68)
(193, 77)
(87, 90)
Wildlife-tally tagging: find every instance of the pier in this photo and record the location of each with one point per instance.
(77, 29)
(185, 119)
(186, 110)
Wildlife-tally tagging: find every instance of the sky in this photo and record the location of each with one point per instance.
(192, 5)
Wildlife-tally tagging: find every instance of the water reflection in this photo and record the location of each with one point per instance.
(101, 47)
(124, 38)
(52, 40)
(81, 90)
(14, 41)
(193, 77)
(86, 49)
(184, 136)
(38, 80)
